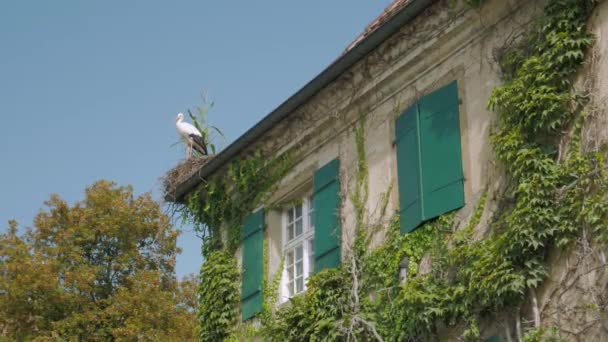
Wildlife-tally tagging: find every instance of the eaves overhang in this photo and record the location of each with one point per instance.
(350, 57)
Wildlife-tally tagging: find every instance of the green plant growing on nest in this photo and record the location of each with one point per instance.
(211, 134)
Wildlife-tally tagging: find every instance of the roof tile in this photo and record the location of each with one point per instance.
(388, 13)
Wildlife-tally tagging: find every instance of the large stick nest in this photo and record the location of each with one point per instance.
(180, 173)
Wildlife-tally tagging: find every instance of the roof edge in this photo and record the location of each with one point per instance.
(328, 75)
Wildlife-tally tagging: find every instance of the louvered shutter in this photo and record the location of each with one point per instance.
(252, 264)
(441, 157)
(326, 202)
(408, 169)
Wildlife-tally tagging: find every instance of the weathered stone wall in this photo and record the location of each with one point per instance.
(575, 295)
(449, 41)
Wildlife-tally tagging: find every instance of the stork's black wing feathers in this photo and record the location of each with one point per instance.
(199, 143)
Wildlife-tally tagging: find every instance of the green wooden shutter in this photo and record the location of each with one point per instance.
(408, 169)
(494, 338)
(441, 157)
(253, 244)
(326, 202)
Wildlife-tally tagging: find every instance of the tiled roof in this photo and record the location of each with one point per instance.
(388, 13)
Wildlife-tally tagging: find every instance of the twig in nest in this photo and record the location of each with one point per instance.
(182, 172)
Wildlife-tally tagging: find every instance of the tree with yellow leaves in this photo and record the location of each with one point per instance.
(101, 269)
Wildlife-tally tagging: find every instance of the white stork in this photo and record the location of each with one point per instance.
(191, 135)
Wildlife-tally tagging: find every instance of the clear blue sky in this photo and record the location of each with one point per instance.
(89, 89)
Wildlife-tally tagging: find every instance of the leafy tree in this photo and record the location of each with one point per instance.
(101, 269)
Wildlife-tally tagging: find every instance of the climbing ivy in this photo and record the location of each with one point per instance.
(549, 200)
(543, 335)
(221, 202)
(270, 291)
(218, 296)
(555, 189)
(315, 315)
(474, 3)
(536, 105)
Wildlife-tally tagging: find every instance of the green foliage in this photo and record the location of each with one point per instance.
(218, 297)
(547, 195)
(535, 102)
(270, 289)
(360, 194)
(464, 236)
(381, 266)
(221, 203)
(474, 3)
(100, 269)
(229, 197)
(317, 314)
(535, 105)
(549, 202)
(543, 335)
(552, 195)
(199, 119)
(472, 333)
(244, 332)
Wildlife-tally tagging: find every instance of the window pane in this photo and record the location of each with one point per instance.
(290, 235)
(311, 222)
(311, 256)
(311, 216)
(299, 258)
(289, 258)
(290, 274)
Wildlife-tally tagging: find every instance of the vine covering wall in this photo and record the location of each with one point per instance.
(556, 192)
(217, 208)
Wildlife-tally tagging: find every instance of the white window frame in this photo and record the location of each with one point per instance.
(306, 240)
